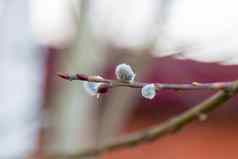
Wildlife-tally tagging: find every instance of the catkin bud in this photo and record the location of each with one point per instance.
(124, 72)
(103, 88)
(148, 91)
(92, 87)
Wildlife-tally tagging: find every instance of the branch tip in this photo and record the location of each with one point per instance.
(64, 76)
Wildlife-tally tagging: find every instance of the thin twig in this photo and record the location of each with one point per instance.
(117, 83)
(165, 128)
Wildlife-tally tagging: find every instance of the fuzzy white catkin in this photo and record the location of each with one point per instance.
(148, 91)
(92, 87)
(124, 72)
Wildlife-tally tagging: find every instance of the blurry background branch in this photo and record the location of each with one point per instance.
(165, 128)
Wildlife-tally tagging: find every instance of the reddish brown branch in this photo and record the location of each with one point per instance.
(165, 128)
(159, 86)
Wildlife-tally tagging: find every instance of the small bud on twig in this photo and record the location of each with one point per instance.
(202, 117)
(195, 83)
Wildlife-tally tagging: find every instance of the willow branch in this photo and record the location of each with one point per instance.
(163, 129)
(159, 86)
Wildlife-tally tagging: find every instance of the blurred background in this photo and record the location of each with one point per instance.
(172, 41)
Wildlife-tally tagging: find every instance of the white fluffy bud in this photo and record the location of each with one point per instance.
(92, 87)
(148, 91)
(124, 72)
